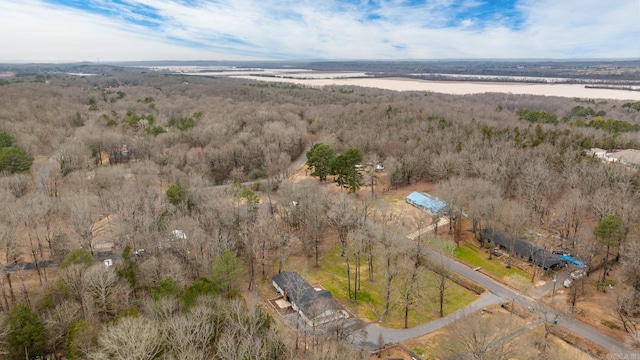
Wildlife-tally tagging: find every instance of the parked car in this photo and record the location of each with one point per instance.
(568, 282)
(577, 274)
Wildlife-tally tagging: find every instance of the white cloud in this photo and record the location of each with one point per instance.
(35, 31)
(312, 29)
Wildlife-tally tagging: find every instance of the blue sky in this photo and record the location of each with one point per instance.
(121, 30)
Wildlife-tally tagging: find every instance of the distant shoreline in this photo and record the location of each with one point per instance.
(613, 87)
(465, 87)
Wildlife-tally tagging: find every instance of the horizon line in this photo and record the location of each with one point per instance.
(114, 62)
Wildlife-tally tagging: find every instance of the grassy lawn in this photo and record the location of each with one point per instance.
(370, 305)
(395, 198)
(473, 256)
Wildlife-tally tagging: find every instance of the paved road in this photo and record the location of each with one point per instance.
(541, 310)
(391, 336)
(497, 293)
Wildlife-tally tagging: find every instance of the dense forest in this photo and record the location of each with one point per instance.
(129, 162)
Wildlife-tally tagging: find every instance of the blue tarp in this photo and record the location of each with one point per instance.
(426, 202)
(571, 260)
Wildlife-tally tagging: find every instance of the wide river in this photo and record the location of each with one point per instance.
(464, 87)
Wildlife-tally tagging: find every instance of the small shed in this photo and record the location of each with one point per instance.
(315, 306)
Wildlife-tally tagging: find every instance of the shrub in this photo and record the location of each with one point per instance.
(175, 194)
(14, 160)
(167, 287)
(25, 333)
(78, 256)
(200, 287)
(6, 140)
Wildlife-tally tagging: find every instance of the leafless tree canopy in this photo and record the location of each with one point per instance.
(107, 148)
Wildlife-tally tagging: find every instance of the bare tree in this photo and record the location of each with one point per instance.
(628, 311)
(315, 221)
(58, 320)
(602, 202)
(513, 218)
(573, 212)
(575, 293)
(154, 269)
(73, 278)
(440, 250)
(342, 217)
(36, 246)
(248, 239)
(193, 335)
(474, 337)
(135, 338)
(10, 245)
(454, 192)
(83, 219)
(535, 180)
(408, 289)
(106, 293)
(392, 243)
(306, 204)
(249, 334)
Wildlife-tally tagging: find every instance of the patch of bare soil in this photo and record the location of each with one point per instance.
(393, 352)
(595, 308)
(528, 345)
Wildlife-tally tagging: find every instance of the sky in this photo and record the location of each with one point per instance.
(138, 30)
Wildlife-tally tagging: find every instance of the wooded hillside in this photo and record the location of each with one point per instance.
(122, 160)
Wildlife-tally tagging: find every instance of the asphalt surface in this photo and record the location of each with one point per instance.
(541, 310)
(498, 293)
(392, 336)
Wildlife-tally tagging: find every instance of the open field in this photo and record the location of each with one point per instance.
(464, 87)
(331, 275)
(475, 257)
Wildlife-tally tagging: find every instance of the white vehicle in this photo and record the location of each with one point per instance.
(577, 274)
(568, 282)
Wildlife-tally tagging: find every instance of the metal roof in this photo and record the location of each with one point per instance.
(426, 202)
(534, 253)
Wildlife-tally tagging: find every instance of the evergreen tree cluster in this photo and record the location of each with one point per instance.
(12, 158)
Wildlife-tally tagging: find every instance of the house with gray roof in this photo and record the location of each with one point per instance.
(315, 306)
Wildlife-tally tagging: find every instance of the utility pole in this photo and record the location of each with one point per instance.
(553, 293)
(372, 177)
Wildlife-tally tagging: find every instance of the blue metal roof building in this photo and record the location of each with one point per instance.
(426, 202)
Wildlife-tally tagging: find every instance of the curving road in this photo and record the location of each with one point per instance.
(498, 293)
(392, 336)
(541, 310)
